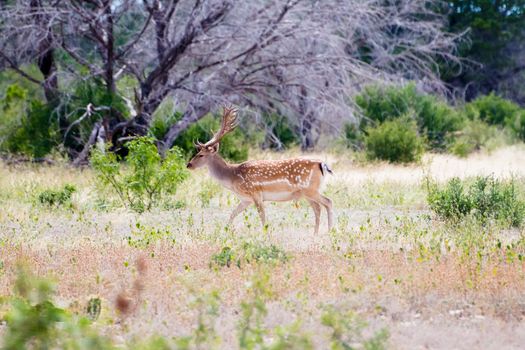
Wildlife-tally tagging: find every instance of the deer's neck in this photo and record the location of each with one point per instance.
(220, 170)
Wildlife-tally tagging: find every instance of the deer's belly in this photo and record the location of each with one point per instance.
(279, 196)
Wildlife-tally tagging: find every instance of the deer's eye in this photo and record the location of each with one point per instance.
(200, 155)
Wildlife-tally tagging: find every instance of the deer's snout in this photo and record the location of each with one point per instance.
(189, 165)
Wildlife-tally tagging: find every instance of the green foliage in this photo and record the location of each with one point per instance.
(478, 135)
(35, 322)
(280, 133)
(395, 141)
(434, 118)
(146, 178)
(29, 126)
(57, 197)
(247, 253)
(498, 111)
(233, 146)
(224, 258)
(484, 198)
(495, 29)
(346, 331)
(93, 308)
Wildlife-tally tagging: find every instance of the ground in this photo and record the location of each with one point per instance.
(389, 260)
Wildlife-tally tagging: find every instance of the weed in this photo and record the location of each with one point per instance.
(57, 197)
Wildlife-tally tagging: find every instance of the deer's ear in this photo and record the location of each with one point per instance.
(214, 148)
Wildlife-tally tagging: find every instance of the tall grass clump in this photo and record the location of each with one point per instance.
(144, 178)
(484, 198)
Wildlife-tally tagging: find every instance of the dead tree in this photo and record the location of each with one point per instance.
(300, 58)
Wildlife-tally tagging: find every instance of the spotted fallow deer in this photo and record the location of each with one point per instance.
(257, 181)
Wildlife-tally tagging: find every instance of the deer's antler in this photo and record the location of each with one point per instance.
(229, 122)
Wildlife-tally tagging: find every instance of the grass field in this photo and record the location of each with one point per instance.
(389, 262)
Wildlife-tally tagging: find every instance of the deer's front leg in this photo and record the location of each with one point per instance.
(242, 205)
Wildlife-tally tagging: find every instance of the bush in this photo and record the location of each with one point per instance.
(484, 198)
(395, 141)
(28, 125)
(478, 135)
(146, 178)
(234, 146)
(498, 111)
(57, 197)
(434, 118)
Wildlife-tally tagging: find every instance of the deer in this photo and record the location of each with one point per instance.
(258, 181)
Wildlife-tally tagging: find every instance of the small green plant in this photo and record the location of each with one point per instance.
(347, 331)
(248, 253)
(93, 308)
(484, 197)
(145, 178)
(224, 258)
(395, 141)
(57, 197)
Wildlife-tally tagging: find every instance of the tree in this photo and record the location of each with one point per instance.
(298, 58)
(496, 46)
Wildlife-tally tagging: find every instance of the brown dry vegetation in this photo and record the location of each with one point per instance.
(432, 285)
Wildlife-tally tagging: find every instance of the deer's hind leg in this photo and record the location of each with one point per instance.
(325, 202)
(258, 201)
(317, 211)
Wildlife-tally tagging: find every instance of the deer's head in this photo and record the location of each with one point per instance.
(205, 151)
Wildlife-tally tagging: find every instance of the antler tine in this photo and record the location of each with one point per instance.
(228, 123)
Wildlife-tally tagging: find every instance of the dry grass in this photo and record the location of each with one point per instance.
(432, 285)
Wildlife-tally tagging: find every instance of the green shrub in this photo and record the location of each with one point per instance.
(145, 178)
(496, 110)
(395, 141)
(28, 125)
(234, 146)
(57, 197)
(478, 135)
(434, 118)
(484, 198)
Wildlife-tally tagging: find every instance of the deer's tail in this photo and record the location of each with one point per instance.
(325, 168)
